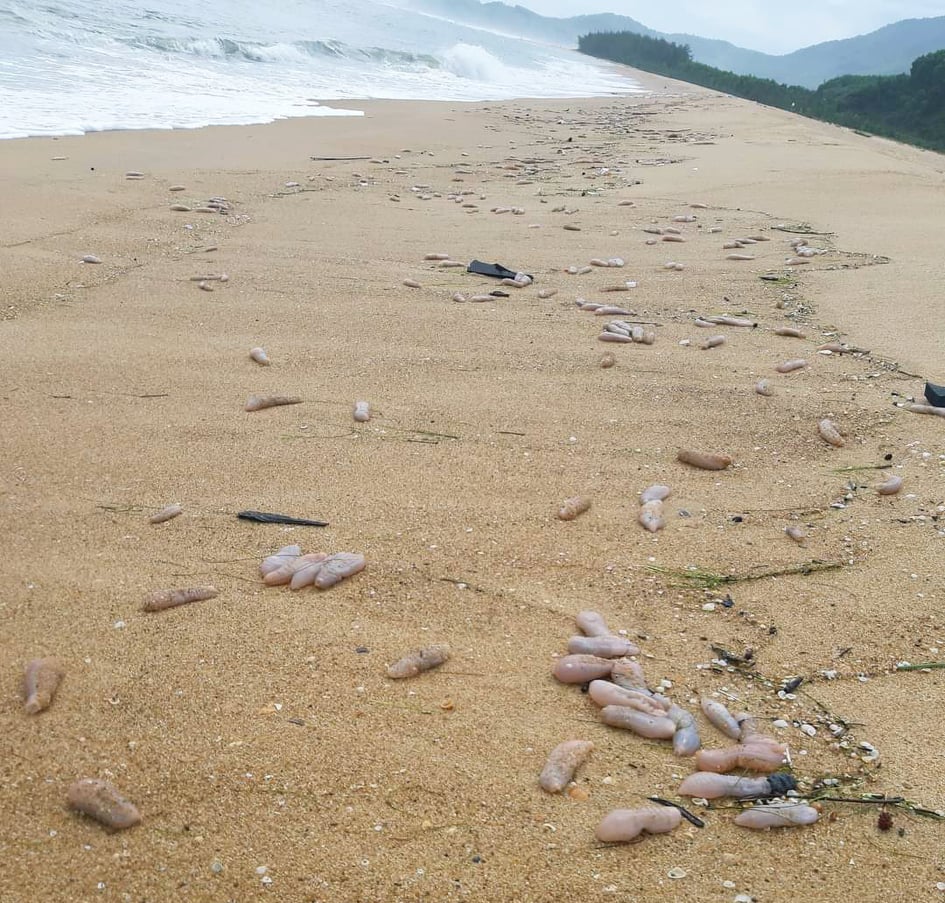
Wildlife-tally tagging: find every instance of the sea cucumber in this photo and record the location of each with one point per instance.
(436, 256)
(629, 675)
(798, 534)
(592, 623)
(925, 409)
(651, 516)
(704, 460)
(739, 256)
(602, 646)
(260, 402)
(362, 411)
(890, 487)
(259, 355)
(713, 342)
(279, 574)
(458, 297)
(562, 762)
(165, 514)
(684, 218)
(417, 662)
(762, 388)
(623, 287)
(547, 293)
(607, 360)
(789, 332)
(672, 238)
(731, 321)
(790, 366)
(579, 669)
(777, 815)
(719, 716)
(571, 227)
(180, 208)
(652, 727)
(303, 569)
(338, 567)
(763, 757)
(686, 739)
(612, 310)
(573, 507)
(709, 785)
(830, 434)
(279, 559)
(605, 693)
(655, 493)
(91, 258)
(623, 825)
(41, 678)
(794, 261)
(104, 802)
(411, 283)
(171, 598)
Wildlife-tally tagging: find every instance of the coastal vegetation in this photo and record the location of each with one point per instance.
(908, 107)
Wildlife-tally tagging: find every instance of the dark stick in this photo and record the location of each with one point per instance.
(685, 813)
(263, 517)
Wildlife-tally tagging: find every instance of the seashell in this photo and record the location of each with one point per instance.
(602, 646)
(891, 486)
(562, 762)
(104, 802)
(791, 366)
(260, 402)
(573, 507)
(259, 355)
(166, 514)
(160, 600)
(362, 411)
(592, 623)
(417, 662)
(704, 460)
(41, 679)
(624, 825)
(830, 434)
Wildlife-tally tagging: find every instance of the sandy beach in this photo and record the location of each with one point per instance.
(257, 732)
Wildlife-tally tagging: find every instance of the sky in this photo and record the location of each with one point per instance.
(773, 26)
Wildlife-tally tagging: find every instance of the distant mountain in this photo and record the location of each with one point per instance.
(888, 51)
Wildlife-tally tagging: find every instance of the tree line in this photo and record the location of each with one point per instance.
(909, 107)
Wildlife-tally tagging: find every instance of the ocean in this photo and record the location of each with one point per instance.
(68, 68)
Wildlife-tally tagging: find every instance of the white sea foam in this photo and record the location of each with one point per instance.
(75, 68)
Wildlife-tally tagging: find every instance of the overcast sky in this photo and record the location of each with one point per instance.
(774, 26)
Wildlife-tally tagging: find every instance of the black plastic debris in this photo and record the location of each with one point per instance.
(496, 270)
(935, 395)
(263, 517)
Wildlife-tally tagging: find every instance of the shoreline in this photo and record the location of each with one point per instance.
(257, 731)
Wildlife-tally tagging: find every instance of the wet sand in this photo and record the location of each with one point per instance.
(257, 732)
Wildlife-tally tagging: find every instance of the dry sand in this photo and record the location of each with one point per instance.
(257, 731)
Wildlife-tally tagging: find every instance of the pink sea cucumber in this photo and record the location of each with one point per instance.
(722, 718)
(891, 486)
(41, 679)
(562, 762)
(830, 434)
(777, 815)
(417, 662)
(165, 514)
(791, 366)
(602, 646)
(171, 598)
(623, 825)
(259, 402)
(579, 669)
(103, 802)
(592, 623)
(654, 727)
(573, 507)
(704, 460)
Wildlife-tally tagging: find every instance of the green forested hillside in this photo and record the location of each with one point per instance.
(909, 108)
